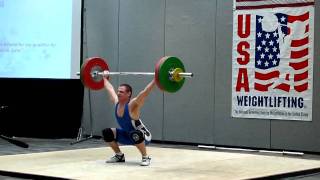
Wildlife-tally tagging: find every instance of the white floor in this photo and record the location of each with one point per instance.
(167, 163)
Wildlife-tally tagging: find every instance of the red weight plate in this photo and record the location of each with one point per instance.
(157, 67)
(94, 63)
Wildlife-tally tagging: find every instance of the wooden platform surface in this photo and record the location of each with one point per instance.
(167, 163)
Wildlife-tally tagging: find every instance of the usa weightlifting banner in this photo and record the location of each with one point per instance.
(272, 59)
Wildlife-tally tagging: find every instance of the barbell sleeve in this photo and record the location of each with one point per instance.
(186, 74)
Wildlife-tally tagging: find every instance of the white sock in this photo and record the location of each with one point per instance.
(119, 153)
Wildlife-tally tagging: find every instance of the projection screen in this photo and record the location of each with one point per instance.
(40, 38)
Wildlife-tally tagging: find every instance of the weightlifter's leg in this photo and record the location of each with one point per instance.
(139, 141)
(143, 150)
(109, 136)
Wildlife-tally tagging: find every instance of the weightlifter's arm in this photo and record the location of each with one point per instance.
(139, 100)
(112, 94)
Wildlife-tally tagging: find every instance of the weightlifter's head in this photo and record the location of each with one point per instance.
(124, 92)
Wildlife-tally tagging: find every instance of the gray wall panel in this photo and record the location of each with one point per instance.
(188, 114)
(141, 44)
(296, 135)
(85, 121)
(231, 131)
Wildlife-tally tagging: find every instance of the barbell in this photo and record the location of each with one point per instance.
(169, 73)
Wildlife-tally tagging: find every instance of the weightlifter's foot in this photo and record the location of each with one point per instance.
(145, 161)
(116, 158)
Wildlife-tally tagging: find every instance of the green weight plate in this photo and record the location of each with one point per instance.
(166, 65)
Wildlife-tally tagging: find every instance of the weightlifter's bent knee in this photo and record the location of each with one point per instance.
(108, 135)
(137, 136)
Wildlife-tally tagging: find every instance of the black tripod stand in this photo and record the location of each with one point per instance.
(80, 137)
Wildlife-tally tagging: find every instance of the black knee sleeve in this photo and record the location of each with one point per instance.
(108, 135)
(137, 136)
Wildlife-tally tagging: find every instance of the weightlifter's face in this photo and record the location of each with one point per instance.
(123, 94)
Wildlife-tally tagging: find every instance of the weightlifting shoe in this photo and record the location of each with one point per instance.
(145, 161)
(116, 158)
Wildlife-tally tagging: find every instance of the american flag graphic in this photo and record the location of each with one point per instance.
(269, 55)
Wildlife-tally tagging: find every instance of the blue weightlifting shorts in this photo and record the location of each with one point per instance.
(124, 138)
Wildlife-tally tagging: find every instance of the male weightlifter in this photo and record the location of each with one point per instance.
(127, 111)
